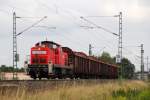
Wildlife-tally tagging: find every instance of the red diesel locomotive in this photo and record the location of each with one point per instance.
(49, 60)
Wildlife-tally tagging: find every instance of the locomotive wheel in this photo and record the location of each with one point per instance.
(39, 75)
(34, 77)
(48, 77)
(40, 78)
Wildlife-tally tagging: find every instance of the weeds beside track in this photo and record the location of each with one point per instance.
(81, 90)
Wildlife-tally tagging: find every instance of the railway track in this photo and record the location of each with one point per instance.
(53, 81)
(21, 82)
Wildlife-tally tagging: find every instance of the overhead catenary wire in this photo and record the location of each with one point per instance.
(135, 58)
(47, 6)
(101, 37)
(66, 37)
(119, 35)
(68, 14)
(98, 26)
(32, 25)
(32, 17)
(131, 52)
(101, 16)
(108, 44)
(47, 27)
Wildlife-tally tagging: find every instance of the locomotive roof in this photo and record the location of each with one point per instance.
(49, 42)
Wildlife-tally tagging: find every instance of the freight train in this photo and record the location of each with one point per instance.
(49, 60)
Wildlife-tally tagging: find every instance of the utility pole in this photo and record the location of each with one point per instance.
(147, 64)
(119, 56)
(15, 55)
(120, 37)
(90, 50)
(142, 62)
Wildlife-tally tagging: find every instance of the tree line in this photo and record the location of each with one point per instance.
(128, 67)
(4, 68)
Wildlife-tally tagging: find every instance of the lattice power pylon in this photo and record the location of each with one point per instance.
(15, 55)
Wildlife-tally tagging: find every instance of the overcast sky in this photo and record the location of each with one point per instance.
(65, 16)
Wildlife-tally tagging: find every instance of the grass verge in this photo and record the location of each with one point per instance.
(125, 90)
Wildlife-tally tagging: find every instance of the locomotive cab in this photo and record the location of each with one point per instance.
(47, 59)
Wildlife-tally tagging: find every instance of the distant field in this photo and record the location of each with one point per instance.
(119, 90)
(9, 76)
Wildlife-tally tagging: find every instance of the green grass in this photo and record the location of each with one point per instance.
(132, 94)
(126, 90)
